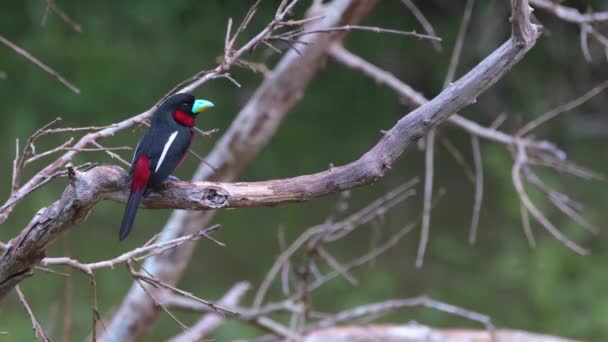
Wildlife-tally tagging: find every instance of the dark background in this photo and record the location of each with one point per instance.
(131, 53)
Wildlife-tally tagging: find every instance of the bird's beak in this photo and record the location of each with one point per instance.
(200, 106)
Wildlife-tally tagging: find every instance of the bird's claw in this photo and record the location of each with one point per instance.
(172, 178)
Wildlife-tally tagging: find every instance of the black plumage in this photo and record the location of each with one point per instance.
(160, 150)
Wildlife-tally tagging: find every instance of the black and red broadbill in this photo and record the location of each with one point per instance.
(162, 149)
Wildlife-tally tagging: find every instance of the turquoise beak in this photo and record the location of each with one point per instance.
(201, 105)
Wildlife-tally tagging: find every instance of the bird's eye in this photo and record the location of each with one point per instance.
(185, 105)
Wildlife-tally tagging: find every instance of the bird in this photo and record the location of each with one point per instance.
(161, 150)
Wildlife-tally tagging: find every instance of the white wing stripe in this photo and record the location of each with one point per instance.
(165, 149)
(136, 148)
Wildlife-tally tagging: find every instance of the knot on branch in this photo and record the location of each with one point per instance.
(214, 197)
(89, 185)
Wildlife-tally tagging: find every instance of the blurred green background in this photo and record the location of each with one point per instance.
(131, 53)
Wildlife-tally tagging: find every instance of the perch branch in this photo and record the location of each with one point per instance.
(221, 71)
(249, 132)
(28, 248)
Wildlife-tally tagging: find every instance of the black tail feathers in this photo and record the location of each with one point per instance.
(135, 198)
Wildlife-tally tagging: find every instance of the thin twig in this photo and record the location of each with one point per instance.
(562, 201)
(159, 303)
(52, 6)
(520, 161)
(68, 312)
(428, 197)
(584, 41)
(384, 77)
(146, 251)
(530, 126)
(94, 305)
(292, 35)
(568, 13)
(38, 331)
(371, 255)
(157, 283)
(458, 157)
(62, 147)
(457, 51)
(36, 61)
(478, 189)
(426, 25)
(108, 151)
(183, 87)
(527, 227)
(206, 325)
(338, 230)
(391, 305)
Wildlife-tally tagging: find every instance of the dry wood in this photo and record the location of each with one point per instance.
(247, 135)
(29, 246)
(419, 333)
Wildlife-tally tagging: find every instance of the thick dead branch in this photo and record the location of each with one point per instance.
(231, 57)
(545, 153)
(247, 135)
(419, 333)
(28, 248)
(416, 99)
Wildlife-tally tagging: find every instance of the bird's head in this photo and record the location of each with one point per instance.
(184, 108)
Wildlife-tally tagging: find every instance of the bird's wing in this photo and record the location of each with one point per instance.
(169, 156)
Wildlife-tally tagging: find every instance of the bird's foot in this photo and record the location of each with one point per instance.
(172, 178)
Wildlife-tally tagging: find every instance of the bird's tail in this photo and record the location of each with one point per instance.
(135, 198)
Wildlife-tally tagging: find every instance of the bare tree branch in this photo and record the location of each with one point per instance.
(429, 161)
(292, 35)
(391, 305)
(520, 161)
(525, 224)
(424, 22)
(137, 253)
(530, 126)
(41, 65)
(51, 6)
(457, 51)
(38, 331)
(421, 333)
(478, 189)
(569, 14)
(204, 327)
(221, 71)
(416, 99)
(249, 132)
(585, 21)
(28, 248)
